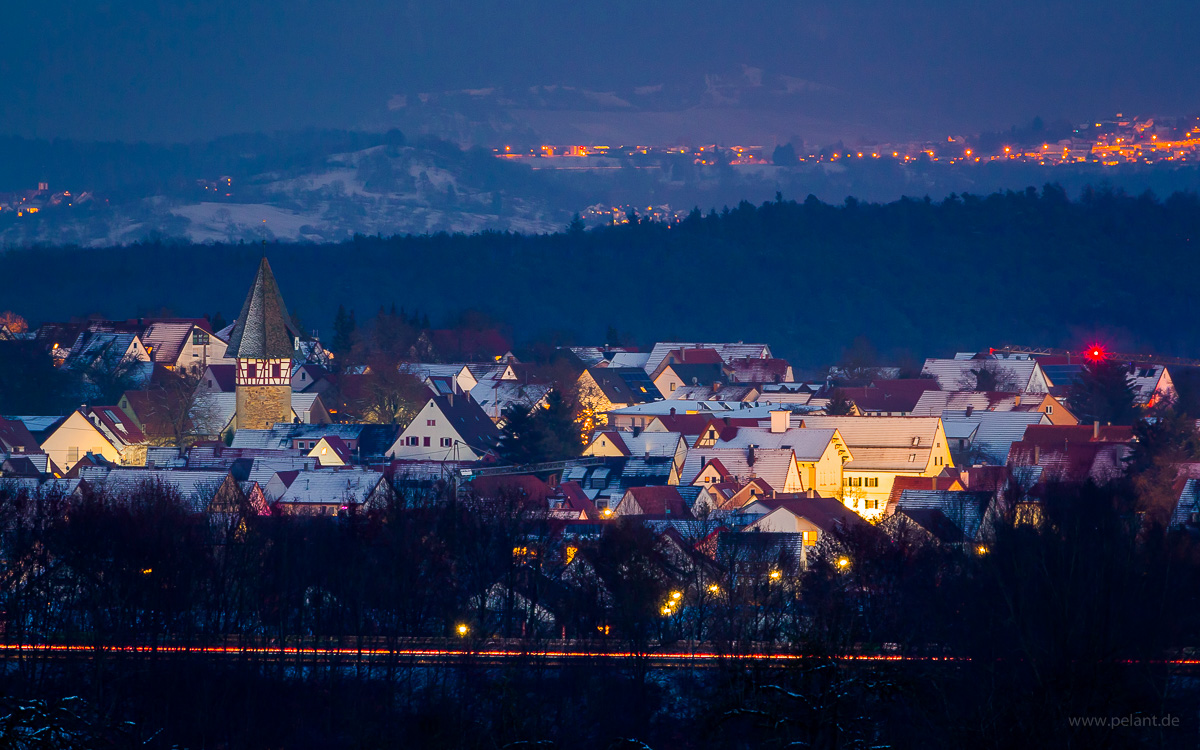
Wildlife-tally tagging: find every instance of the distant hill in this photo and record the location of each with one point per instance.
(915, 277)
(326, 186)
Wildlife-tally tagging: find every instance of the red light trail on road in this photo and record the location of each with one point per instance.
(13, 650)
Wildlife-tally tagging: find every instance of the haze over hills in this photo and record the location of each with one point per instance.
(325, 186)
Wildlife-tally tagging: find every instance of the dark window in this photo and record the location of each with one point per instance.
(426, 441)
(251, 370)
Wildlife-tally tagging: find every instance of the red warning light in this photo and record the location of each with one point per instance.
(1096, 353)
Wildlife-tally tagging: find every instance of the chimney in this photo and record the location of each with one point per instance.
(1037, 455)
(450, 398)
(1096, 430)
(672, 411)
(637, 431)
(933, 483)
(970, 408)
(781, 420)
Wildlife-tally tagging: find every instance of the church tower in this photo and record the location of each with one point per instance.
(262, 341)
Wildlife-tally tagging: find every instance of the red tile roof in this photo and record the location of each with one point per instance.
(826, 513)
(658, 501)
(575, 499)
(16, 438)
(1056, 435)
(525, 485)
(901, 483)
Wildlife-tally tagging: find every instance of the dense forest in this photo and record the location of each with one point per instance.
(916, 277)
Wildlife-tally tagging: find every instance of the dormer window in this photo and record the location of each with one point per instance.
(916, 441)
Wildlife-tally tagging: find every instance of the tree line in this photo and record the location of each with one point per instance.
(917, 276)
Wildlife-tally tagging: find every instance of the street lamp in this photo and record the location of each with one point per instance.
(843, 562)
(463, 629)
(776, 575)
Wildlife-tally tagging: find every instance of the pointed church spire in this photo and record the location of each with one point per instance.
(264, 330)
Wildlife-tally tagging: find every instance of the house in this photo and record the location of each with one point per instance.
(101, 430)
(182, 343)
(639, 443)
(944, 516)
(727, 352)
(367, 440)
(776, 466)
(100, 345)
(989, 372)
(717, 390)
(785, 393)
(331, 451)
(1033, 462)
(943, 483)
(571, 503)
(759, 370)
(673, 375)
(641, 415)
(200, 491)
(994, 432)
(604, 389)
(888, 398)
(811, 518)
(326, 492)
(218, 378)
(460, 375)
(730, 496)
(882, 449)
(448, 428)
(1152, 384)
(162, 415)
(495, 396)
(310, 378)
(820, 453)
(656, 502)
(1054, 408)
(16, 438)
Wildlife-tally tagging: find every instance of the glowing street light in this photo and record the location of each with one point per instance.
(843, 562)
(463, 629)
(981, 549)
(714, 588)
(776, 575)
(676, 595)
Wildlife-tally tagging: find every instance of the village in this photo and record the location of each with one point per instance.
(737, 468)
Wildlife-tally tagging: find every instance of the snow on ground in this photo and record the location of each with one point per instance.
(225, 221)
(348, 178)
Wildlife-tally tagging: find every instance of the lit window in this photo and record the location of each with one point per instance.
(912, 457)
